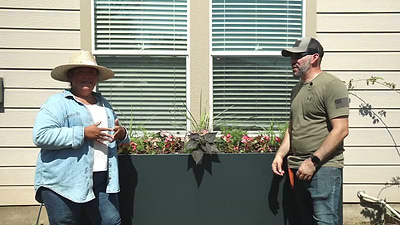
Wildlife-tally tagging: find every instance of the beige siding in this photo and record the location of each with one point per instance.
(380, 61)
(362, 39)
(356, 156)
(30, 79)
(359, 78)
(26, 97)
(392, 119)
(33, 59)
(18, 118)
(378, 99)
(43, 39)
(16, 176)
(376, 22)
(18, 157)
(43, 19)
(17, 195)
(372, 137)
(16, 137)
(390, 194)
(358, 6)
(375, 175)
(360, 42)
(40, 4)
(35, 37)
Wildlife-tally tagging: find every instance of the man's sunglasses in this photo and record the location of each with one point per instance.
(301, 55)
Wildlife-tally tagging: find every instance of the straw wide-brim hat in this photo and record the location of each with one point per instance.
(81, 59)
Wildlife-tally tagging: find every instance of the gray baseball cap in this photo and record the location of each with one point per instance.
(304, 45)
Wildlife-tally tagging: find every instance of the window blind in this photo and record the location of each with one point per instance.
(251, 92)
(255, 27)
(144, 26)
(147, 92)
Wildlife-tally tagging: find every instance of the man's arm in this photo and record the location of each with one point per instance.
(340, 129)
(281, 154)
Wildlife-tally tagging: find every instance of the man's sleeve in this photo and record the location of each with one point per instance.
(337, 99)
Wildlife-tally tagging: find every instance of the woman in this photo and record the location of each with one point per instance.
(78, 133)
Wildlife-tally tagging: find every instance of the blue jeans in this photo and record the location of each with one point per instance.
(318, 199)
(103, 210)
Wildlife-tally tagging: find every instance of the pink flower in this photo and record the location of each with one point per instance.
(168, 139)
(227, 138)
(204, 132)
(278, 139)
(266, 138)
(246, 139)
(133, 145)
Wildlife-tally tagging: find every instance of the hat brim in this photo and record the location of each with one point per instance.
(290, 51)
(60, 72)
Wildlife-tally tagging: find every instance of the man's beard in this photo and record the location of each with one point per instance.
(303, 69)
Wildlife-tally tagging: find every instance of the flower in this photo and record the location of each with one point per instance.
(232, 140)
(236, 140)
(156, 143)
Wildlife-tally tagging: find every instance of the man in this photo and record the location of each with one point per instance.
(313, 143)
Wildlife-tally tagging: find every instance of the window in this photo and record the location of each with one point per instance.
(251, 92)
(148, 92)
(145, 44)
(251, 81)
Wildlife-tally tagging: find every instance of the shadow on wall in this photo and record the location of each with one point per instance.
(1, 95)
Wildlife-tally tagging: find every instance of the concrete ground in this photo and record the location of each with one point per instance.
(353, 214)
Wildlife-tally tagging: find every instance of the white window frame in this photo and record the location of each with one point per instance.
(237, 53)
(146, 53)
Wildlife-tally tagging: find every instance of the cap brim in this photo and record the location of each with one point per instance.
(60, 72)
(290, 51)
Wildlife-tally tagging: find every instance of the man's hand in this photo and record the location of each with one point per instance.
(277, 166)
(306, 170)
(93, 132)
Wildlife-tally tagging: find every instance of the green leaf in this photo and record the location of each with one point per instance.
(214, 149)
(197, 156)
(194, 136)
(210, 137)
(208, 148)
(204, 148)
(191, 145)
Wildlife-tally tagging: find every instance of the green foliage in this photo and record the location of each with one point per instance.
(201, 140)
(200, 144)
(236, 140)
(153, 143)
(230, 140)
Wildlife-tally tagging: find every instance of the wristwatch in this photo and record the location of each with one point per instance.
(315, 160)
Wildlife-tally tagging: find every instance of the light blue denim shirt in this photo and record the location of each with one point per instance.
(65, 162)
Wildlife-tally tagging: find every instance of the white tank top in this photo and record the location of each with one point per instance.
(100, 149)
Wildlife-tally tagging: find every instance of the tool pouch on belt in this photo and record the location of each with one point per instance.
(291, 177)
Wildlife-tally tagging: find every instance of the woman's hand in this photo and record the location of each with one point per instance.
(93, 132)
(119, 131)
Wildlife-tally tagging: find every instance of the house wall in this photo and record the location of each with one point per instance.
(361, 38)
(35, 37)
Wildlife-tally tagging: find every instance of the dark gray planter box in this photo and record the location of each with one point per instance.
(227, 189)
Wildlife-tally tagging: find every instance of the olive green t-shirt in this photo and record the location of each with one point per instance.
(313, 105)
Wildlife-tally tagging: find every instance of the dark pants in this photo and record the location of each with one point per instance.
(103, 210)
(318, 200)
